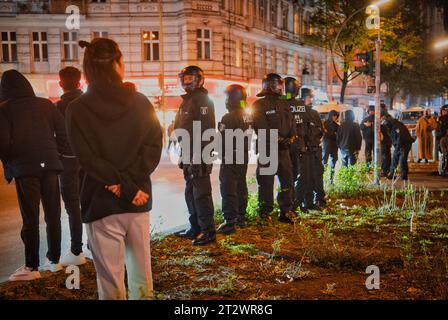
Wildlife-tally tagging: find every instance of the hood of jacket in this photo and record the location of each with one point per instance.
(14, 85)
(349, 116)
(331, 114)
(109, 102)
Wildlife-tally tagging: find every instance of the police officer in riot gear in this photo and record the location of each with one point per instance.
(196, 107)
(271, 113)
(292, 88)
(309, 190)
(232, 174)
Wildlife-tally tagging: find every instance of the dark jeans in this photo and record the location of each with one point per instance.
(348, 158)
(330, 151)
(444, 165)
(69, 179)
(234, 193)
(31, 190)
(386, 159)
(266, 185)
(400, 157)
(198, 195)
(368, 152)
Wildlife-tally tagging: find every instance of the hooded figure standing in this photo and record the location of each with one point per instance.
(349, 139)
(368, 133)
(425, 126)
(117, 138)
(32, 139)
(330, 147)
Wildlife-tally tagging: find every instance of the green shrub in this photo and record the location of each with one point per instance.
(348, 181)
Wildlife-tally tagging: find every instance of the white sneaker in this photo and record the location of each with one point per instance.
(69, 259)
(24, 274)
(50, 266)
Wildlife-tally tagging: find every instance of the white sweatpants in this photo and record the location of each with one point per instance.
(117, 240)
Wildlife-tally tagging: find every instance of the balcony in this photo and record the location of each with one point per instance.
(206, 6)
(8, 8)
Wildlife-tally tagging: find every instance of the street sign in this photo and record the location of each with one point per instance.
(373, 20)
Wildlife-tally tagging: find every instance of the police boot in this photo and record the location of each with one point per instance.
(205, 238)
(228, 227)
(287, 217)
(187, 234)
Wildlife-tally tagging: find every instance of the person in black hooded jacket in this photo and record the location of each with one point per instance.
(402, 142)
(330, 147)
(349, 139)
(32, 139)
(115, 133)
(368, 133)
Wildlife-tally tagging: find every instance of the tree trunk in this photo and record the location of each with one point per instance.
(344, 86)
(392, 98)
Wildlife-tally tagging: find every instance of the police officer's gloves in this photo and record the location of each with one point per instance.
(285, 143)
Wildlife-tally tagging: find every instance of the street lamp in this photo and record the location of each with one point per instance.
(372, 22)
(441, 44)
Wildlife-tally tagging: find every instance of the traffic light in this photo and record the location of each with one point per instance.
(368, 67)
(445, 60)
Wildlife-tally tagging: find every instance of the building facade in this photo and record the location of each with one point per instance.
(232, 40)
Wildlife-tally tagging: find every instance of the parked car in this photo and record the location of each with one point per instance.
(325, 109)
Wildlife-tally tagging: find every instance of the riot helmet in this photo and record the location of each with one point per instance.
(292, 88)
(272, 83)
(236, 96)
(191, 77)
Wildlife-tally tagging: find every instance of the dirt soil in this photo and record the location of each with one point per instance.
(324, 255)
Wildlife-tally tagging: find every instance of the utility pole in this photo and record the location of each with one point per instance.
(162, 65)
(377, 154)
(373, 22)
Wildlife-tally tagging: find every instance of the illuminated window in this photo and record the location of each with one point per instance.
(8, 48)
(70, 45)
(238, 53)
(204, 43)
(151, 44)
(40, 46)
(296, 23)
